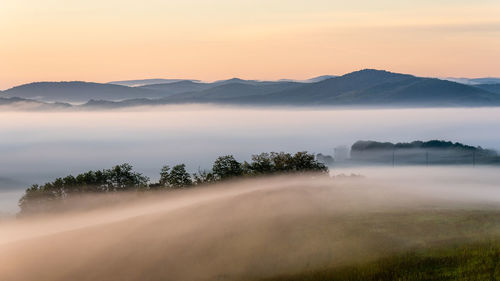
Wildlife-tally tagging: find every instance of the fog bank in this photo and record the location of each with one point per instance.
(255, 228)
(39, 146)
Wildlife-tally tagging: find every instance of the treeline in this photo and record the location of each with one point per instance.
(40, 198)
(432, 144)
(420, 152)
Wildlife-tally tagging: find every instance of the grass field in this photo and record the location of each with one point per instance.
(479, 261)
(276, 228)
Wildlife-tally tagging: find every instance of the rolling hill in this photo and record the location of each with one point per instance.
(494, 88)
(178, 87)
(361, 88)
(474, 81)
(232, 90)
(319, 78)
(77, 91)
(145, 82)
(381, 88)
(367, 87)
(27, 104)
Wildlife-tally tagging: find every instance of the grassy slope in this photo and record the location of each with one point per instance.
(480, 261)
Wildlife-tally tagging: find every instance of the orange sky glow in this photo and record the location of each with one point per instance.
(101, 41)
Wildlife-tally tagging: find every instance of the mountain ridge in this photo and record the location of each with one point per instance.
(74, 91)
(366, 87)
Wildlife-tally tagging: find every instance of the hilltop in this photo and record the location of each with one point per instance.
(368, 87)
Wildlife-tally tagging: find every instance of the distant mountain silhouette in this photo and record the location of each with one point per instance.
(154, 82)
(331, 88)
(145, 82)
(247, 82)
(474, 81)
(361, 88)
(27, 104)
(381, 88)
(222, 93)
(77, 91)
(486, 80)
(310, 80)
(230, 88)
(235, 89)
(494, 88)
(174, 88)
(104, 104)
(367, 87)
(319, 78)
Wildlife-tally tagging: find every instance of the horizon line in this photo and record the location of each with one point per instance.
(303, 80)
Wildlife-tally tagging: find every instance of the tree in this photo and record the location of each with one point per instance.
(45, 198)
(282, 161)
(121, 177)
(226, 167)
(91, 181)
(37, 199)
(306, 162)
(164, 174)
(48, 197)
(271, 163)
(261, 164)
(203, 177)
(178, 177)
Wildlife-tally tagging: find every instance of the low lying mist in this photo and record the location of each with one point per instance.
(254, 228)
(39, 146)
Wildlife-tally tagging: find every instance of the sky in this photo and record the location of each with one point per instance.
(106, 40)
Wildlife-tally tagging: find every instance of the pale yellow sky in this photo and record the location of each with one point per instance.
(99, 40)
